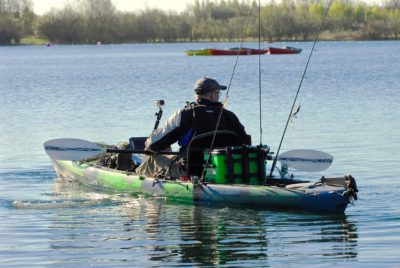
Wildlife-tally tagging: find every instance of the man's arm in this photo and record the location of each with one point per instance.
(172, 130)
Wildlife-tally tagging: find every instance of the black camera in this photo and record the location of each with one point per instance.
(160, 103)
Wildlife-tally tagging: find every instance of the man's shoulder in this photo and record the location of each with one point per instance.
(190, 105)
(231, 114)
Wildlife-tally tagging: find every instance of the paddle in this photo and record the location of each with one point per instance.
(306, 160)
(77, 149)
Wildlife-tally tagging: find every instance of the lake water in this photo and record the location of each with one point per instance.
(349, 108)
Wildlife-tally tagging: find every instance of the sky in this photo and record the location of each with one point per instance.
(42, 6)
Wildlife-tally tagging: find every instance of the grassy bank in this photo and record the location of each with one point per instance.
(34, 40)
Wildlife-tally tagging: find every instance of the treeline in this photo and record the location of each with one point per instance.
(16, 20)
(92, 21)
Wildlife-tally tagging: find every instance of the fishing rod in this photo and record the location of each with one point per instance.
(299, 87)
(259, 70)
(227, 92)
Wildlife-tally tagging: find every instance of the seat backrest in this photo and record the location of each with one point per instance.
(194, 150)
(137, 142)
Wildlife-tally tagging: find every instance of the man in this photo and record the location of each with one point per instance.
(193, 120)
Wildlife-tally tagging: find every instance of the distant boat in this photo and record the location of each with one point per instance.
(284, 50)
(198, 52)
(226, 52)
(237, 51)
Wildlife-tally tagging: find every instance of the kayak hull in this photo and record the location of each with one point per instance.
(284, 50)
(310, 197)
(225, 52)
(237, 51)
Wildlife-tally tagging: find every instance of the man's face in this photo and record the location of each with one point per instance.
(214, 95)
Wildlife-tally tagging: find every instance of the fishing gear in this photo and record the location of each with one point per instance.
(299, 87)
(294, 114)
(259, 72)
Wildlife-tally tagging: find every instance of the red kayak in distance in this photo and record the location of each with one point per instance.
(284, 50)
(237, 51)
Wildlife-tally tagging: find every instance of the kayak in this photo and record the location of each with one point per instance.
(284, 50)
(225, 52)
(237, 51)
(198, 52)
(328, 195)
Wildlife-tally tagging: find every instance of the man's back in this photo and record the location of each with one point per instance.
(206, 117)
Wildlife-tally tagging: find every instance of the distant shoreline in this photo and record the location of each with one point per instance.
(204, 21)
(323, 38)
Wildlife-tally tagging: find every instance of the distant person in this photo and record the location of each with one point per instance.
(194, 119)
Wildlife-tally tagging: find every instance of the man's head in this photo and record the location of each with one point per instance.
(208, 88)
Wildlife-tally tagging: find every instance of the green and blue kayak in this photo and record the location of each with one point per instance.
(329, 195)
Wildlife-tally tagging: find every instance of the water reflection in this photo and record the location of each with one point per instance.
(136, 230)
(317, 235)
(216, 236)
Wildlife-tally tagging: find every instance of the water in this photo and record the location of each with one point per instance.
(349, 108)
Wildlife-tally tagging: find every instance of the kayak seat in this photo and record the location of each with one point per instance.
(137, 142)
(194, 151)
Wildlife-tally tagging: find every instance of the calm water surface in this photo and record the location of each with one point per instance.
(349, 108)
